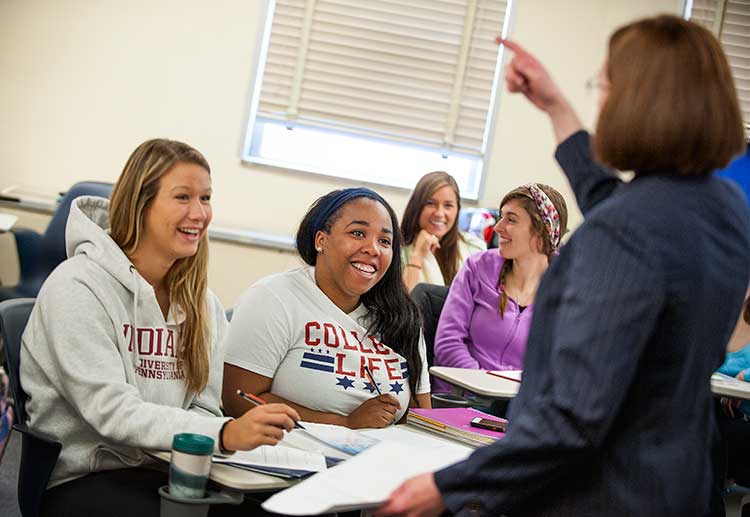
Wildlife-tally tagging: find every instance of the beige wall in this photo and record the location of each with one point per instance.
(85, 81)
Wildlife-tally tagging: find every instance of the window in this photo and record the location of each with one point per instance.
(730, 21)
(378, 91)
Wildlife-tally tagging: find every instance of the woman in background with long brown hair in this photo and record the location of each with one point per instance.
(123, 348)
(434, 249)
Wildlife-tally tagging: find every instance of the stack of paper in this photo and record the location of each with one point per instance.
(280, 461)
(302, 451)
(367, 480)
(454, 423)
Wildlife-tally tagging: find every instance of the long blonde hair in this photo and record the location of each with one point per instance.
(187, 279)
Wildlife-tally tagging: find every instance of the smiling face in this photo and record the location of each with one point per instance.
(439, 213)
(517, 238)
(179, 215)
(356, 253)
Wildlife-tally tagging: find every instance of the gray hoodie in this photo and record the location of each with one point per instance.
(98, 359)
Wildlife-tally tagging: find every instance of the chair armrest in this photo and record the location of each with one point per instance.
(28, 244)
(39, 453)
(47, 439)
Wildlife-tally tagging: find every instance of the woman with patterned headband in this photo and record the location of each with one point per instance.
(486, 319)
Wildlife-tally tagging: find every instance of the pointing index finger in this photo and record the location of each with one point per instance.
(512, 45)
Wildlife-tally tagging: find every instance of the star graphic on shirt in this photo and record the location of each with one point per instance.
(369, 387)
(345, 381)
(397, 387)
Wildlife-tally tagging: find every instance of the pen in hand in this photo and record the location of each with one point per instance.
(372, 380)
(255, 400)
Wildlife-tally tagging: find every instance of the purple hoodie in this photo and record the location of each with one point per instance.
(471, 333)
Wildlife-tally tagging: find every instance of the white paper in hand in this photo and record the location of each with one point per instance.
(365, 481)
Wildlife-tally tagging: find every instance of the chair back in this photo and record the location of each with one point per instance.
(52, 250)
(13, 317)
(39, 451)
(430, 300)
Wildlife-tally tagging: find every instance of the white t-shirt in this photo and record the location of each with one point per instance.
(287, 329)
(430, 272)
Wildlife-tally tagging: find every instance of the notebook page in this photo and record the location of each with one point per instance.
(277, 457)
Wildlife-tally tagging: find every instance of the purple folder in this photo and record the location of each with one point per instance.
(459, 418)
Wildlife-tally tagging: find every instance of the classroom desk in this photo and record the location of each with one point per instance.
(726, 386)
(233, 478)
(477, 381)
(481, 383)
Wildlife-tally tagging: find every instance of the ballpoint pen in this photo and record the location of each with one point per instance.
(254, 399)
(372, 380)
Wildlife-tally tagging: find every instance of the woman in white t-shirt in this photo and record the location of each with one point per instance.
(434, 249)
(308, 337)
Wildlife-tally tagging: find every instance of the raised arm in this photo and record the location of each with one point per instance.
(590, 181)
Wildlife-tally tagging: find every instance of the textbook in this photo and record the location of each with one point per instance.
(454, 423)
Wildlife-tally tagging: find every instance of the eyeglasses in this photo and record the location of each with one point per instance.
(596, 84)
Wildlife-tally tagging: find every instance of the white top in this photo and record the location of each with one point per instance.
(430, 272)
(287, 329)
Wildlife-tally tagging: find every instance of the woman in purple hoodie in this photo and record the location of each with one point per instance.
(487, 315)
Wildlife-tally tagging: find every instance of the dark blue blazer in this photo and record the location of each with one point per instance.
(614, 415)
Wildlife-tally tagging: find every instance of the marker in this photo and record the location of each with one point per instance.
(256, 400)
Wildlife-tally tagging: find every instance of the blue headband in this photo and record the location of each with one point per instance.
(339, 200)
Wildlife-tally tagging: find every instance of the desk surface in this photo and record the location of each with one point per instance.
(486, 385)
(240, 480)
(233, 478)
(729, 386)
(477, 381)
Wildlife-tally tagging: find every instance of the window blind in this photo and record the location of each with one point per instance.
(730, 21)
(419, 72)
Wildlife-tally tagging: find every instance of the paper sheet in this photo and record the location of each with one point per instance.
(366, 480)
(278, 457)
(330, 440)
(7, 221)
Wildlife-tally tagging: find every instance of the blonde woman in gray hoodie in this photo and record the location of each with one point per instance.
(123, 347)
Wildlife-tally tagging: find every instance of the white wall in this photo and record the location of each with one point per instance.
(83, 82)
